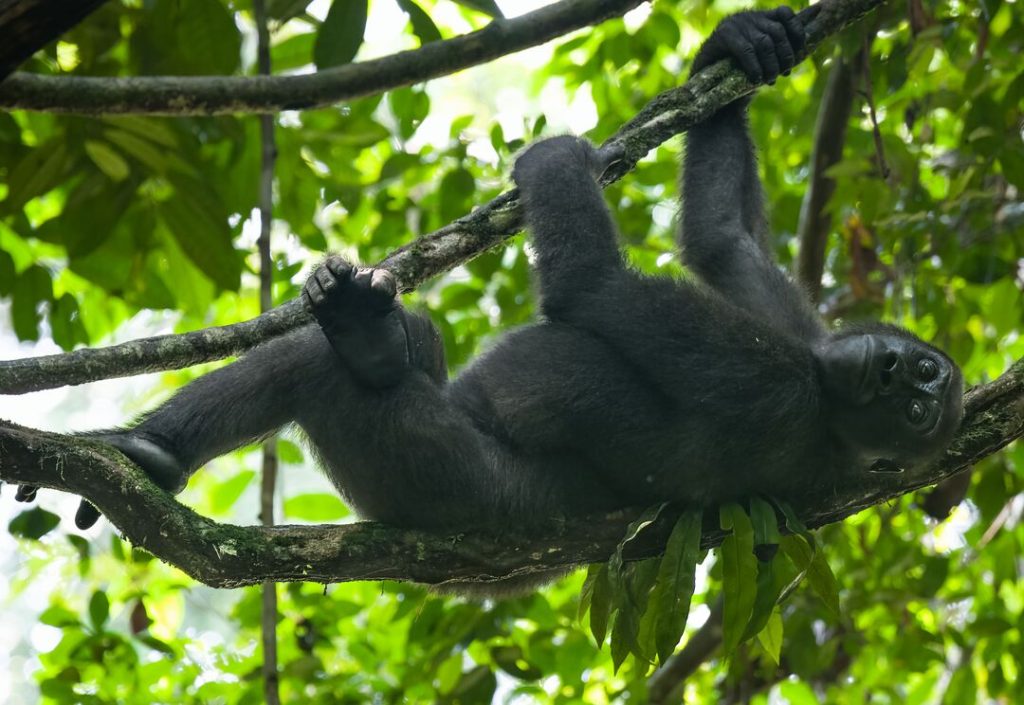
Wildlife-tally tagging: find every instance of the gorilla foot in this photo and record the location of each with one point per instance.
(160, 465)
(357, 312)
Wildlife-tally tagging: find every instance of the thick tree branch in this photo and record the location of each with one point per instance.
(224, 555)
(219, 95)
(28, 25)
(668, 114)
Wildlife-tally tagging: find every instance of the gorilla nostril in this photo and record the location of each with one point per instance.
(885, 377)
(890, 361)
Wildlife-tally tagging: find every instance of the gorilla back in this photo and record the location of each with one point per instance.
(631, 390)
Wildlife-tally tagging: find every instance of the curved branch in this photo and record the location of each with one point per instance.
(668, 114)
(224, 555)
(220, 95)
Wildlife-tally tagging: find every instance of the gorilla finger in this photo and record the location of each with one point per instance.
(765, 48)
(86, 515)
(339, 266)
(383, 282)
(792, 24)
(325, 278)
(784, 53)
(312, 293)
(25, 493)
(742, 51)
(363, 277)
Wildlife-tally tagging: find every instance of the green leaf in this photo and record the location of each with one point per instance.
(771, 636)
(422, 26)
(38, 172)
(819, 575)
(739, 575)
(601, 605)
(59, 616)
(108, 160)
(33, 523)
(341, 34)
(294, 52)
(199, 224)
(31, 288)
(587, 591)
(99, 609)
(223, 496)
(7, 274)
(288, 452)
(670, 601)
(766, 529)
(316, 506)
(768, 591)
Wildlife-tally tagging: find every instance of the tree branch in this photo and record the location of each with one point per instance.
(668, 114)
(225, 555)
(220, 95)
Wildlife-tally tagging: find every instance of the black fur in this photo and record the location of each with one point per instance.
(631, 390)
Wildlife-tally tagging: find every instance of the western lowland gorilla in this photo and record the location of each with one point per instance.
(631, 390)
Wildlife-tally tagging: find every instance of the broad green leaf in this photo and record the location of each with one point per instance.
(107, 159)
(771, 636)
(223, 496)
(37, 173)
(294, 52)
(199, 224)
(739, 575)
(813, 564)
(99, 609)
(31, 288)
(315, 506)
(59, 616)
(341, 34)
(670, 601)
(33, 523)
(422, 26)
(288, 452)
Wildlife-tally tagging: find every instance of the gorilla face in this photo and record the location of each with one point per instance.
(892, 396)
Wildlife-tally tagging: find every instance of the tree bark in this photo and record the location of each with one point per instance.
(225, 555)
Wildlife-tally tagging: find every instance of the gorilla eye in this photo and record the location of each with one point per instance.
(927, 369)
(916, 411)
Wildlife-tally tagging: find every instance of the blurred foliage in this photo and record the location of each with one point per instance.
(101, 218)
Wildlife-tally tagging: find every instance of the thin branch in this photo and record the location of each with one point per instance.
(220, 95)
(268, 470)
(668, 114)
(224, 555)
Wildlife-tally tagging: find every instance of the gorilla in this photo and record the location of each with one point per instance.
(630, 390)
